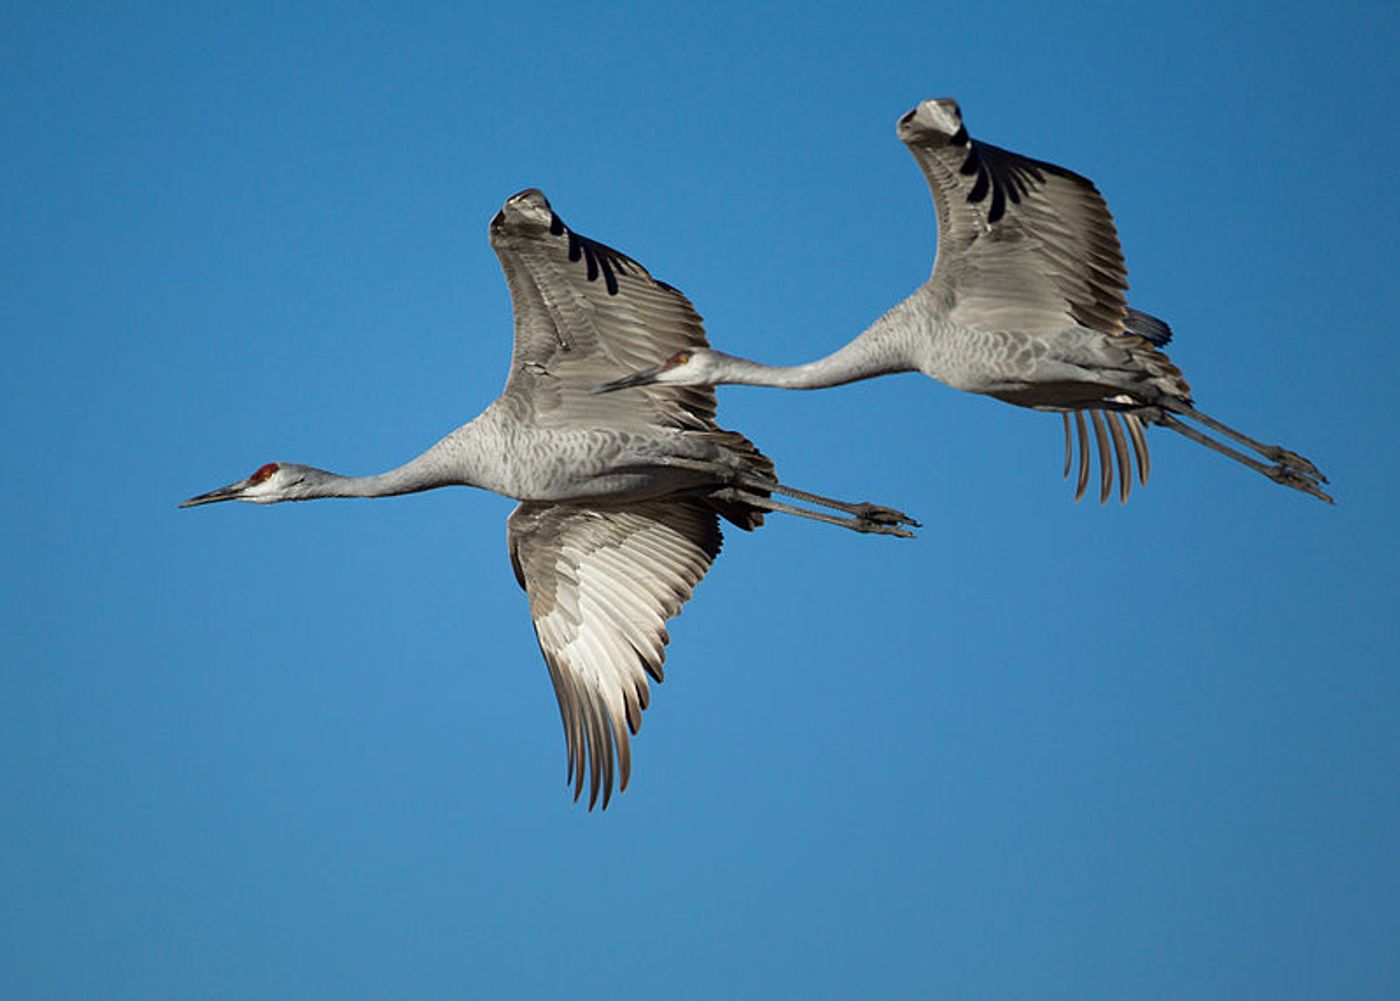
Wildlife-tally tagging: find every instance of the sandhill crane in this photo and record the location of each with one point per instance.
(620, 496)
(1026, 304)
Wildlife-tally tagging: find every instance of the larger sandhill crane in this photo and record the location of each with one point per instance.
(1026, 304)
(620, 496)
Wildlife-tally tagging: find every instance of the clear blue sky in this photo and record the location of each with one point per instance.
(1047, 750)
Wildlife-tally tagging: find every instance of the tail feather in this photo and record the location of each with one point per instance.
(733, 509)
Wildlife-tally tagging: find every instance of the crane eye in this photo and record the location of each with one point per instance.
(679, 358)
(263, 472)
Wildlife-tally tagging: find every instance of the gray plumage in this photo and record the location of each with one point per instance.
(621, 496)
(1027, 304)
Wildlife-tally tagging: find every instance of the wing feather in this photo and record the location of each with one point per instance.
(1022, 244)
(602, 582)
(586, 314)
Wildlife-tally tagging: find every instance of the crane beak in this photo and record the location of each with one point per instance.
(231, 492)
(643, 377)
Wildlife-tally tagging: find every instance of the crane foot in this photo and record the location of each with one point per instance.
(872, 527)
(1284, 457)
(881, 515)
(1298, 480)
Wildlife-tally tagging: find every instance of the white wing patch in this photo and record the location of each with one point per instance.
(602, 582)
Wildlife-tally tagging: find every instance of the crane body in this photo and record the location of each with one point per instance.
(620, 498)
(1026, 303)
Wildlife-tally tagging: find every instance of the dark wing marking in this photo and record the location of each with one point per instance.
(1022, 244)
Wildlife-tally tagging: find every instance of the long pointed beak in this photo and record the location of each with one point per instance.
(231, 492)
(643, 377)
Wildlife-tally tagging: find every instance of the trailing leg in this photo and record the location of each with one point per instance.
(863, 510)
(1274, 453)
(877, 524)
(1290, 470)
(742, 486)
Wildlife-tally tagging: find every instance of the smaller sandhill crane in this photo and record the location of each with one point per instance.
(620, 496)
(1025, 304)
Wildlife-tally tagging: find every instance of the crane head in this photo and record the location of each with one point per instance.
(528, 206)
(936, 122)
(268, 484)
(690, 367)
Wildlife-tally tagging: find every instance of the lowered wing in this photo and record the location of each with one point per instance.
(602, 583)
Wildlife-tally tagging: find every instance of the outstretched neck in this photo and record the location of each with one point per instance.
(875, 352)
(453, 461)
(410, 478)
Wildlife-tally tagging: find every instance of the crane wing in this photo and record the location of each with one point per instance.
(586, 314)
(602, 582)
(1022, 244)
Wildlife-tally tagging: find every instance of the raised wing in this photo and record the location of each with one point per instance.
(587, 314)
(602, 583)
(1022, 244)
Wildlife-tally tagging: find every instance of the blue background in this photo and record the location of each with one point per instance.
(1047, 750)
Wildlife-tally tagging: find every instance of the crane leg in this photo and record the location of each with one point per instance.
(1302, 475)
(863, 510)
(1274, 453)
(876, 524)
(864, 516)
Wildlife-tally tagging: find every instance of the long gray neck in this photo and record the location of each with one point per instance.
(456, 460)
(877, 351)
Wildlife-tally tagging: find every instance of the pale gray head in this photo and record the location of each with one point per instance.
(528, 207)
(270, 483)
(691, 367)
(936, 122)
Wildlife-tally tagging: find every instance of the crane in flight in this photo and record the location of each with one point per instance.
(1025, 304)
(620, 497)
